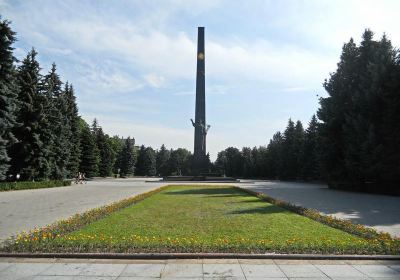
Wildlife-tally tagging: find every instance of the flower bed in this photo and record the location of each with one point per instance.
(203, 219)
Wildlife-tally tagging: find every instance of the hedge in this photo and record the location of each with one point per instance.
(23, 185)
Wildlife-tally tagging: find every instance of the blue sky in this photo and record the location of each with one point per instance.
(133, 63)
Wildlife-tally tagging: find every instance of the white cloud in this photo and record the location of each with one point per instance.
(104, 54)
(155, 80)
(105, 78)
(150, 134)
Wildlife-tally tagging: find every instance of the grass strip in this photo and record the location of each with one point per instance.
(203, 219)
(344, 225)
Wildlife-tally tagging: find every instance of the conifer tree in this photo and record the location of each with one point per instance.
(309, 156)
(247, 162)
(356, 138)
(117, 145)
(234, 162)
(89, 159)
(8, 100)
(274, 156)
(127, 159)
(106, 154)
(288, 167)
(73, 118)
(340, 87)
(162, 161)
(140, 165)
(149, 162)
(222, 162)
(28, 154)
(57, 114)
(298, 147)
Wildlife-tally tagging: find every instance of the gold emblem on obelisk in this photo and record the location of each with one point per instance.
(200, 56)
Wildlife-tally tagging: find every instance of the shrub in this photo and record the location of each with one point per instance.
(8, 186)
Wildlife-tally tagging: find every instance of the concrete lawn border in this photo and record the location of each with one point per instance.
(157, 256)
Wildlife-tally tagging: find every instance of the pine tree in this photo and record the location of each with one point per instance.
(298, 147)
(309, 156)
(8, 100)
(247, 162)
(333, 111)
(222, 162)
(162, 161)
(127, 159)
(73, 118)
(149, 162)
(56, 112)
(234, 162)
(260, 156)
(274, 156)
(288, 167)
(89, 159)
(179, 162)
(28, 153)
(106, 154)
(117, 145)
(140, 165)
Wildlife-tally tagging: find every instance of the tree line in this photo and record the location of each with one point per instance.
(43, 137)
(291, 155)
(41, 134)
(353, 141)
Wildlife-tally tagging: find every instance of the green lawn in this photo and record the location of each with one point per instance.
(200, 218)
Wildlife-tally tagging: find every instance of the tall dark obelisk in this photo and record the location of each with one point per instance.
(200, 126)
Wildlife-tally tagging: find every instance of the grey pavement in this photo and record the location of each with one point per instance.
(26, 209)
(66, 269)
(381, 212)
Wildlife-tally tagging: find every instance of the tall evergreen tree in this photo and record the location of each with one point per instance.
(179, 162)
(309, 156)
(288, 167)
(162, 161)
(234, 162)
(106, 154)
(222, 162)
(260, 155)
(248, 163)
(28, 154)
(89, 159)
(127, 159)
(334, 108)
(274, 156)
(355, 133)
(149, 162)
(73, 118)
(140, 164)
(298, 147)
(57, 111)
(117, 145)
(8, 99)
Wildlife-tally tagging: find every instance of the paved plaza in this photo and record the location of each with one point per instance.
(381, 212)
(26, 209)
(68, 269)
(23, 210)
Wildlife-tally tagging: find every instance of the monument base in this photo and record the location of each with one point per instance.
(199, 178)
